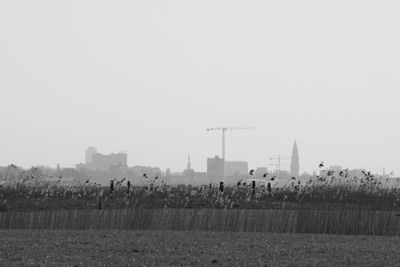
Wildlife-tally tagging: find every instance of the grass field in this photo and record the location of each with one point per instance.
(183, 248)
(89, 225)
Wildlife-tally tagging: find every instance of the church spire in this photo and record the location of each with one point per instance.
(189, 165)
(294, 165)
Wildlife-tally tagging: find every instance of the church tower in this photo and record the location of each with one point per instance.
(188, 165)
(189, 174)
(294, 165)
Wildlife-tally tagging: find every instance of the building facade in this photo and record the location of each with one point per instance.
(102, 162)
(90, 151)
(215, 169)
(235, 168)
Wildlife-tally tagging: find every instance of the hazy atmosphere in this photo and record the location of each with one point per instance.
(148, 78)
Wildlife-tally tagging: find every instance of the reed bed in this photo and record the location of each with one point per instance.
(334, 189)
(361, 222)
(318, 194)
(330, 204)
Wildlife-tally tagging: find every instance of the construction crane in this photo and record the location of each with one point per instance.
(224, 129)
(278, 160)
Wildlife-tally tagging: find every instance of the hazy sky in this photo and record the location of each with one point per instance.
(148, 77)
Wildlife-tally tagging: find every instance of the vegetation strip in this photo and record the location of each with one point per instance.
(367, 222)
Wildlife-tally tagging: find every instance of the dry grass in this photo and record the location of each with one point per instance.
(322, 205)
(238, 220)
(339, 189)
(182, 248)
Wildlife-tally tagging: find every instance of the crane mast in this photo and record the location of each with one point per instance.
(223, 130)
(278, 160)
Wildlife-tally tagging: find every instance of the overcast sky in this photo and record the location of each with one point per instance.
(148, 78)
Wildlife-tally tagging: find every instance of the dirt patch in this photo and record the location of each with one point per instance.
(180, 248)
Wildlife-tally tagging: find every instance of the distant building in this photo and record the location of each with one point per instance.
(294, 165)
(82, 166)
(235, 171)
(215, 169)
(90, 151)
(235, 168)
(188, 177)
(150, 172)
(98, 162)
(102, 162)
(188, 172)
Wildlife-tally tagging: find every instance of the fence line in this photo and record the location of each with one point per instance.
(238, 220)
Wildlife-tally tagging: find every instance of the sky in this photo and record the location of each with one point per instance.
(148, 78)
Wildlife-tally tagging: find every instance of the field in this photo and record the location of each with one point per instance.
(183, 248)
(156, 224)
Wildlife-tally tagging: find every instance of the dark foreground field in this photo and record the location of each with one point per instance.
(182, 248)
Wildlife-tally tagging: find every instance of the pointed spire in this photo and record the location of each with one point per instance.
(189, 165)
(294, 165)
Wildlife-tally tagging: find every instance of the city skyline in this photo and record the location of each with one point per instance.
(269, 162)
(97, 161)
(99, 167)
